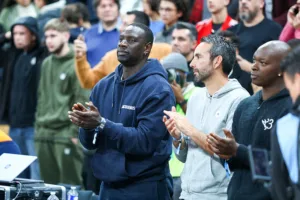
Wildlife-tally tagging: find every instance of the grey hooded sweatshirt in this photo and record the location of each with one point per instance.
(203, 176)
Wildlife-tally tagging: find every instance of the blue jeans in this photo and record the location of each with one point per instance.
(24, 137)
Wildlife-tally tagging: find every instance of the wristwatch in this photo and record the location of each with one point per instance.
(102, 124)
(178, 140)
(99, 129)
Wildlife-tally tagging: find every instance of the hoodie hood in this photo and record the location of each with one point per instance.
(231, 85)
(30, 23)
(152, 67)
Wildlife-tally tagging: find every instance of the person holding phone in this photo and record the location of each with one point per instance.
(285, 137)
(291, 29)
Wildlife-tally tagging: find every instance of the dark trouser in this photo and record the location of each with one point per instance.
(155, 190)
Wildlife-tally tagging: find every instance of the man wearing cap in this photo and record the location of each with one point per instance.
(19, 89)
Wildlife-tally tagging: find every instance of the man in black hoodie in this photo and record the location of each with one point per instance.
(19, 89)
(253, 121)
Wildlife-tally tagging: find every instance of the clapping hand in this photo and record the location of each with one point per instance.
(88, 118)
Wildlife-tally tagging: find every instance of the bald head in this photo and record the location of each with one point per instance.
(275, 49)
(266, 68)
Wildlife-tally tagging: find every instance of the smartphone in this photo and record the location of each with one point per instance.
(296, 10)
(259, 164)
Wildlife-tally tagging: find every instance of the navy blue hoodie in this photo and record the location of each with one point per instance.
(135, 144)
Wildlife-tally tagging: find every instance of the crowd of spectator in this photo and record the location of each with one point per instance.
(227, 63)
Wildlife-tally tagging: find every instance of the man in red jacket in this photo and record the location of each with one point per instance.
(220, 20)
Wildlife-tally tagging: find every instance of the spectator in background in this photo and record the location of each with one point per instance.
(56, 137)
(151, 8)
(291, 29)
(253, 31)
(196, 8)
(233, 9)
(104, 36)
(253, 121)
(77, 17)
(48, 9)
(7, 145)
(219, 21)
(285, 144)
(277, 10)
(127, 6)
(293, 43)
(89, 77)
(91, 9)
(235, 70)
(209, 109)
(170, 12)
(184, 41)
(176, 66)
(19, 89)
(14, 9)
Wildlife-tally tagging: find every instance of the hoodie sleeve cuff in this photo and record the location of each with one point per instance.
(242, 154)
(86, 138)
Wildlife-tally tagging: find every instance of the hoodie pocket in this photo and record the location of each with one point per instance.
(202, 178)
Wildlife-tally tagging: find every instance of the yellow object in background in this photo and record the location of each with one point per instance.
(4, 128)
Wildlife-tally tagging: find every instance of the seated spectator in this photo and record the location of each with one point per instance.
(77, 17)
(253, 30)
(285, 144)
(151, 8)
(170, 12)
(291, 29)
(14, 9)
(219, 21)
(252, 122)
(89, 77)
(277, 9)
(7, 145)
(104, 36)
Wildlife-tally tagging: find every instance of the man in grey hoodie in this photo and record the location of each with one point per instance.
(209, 110)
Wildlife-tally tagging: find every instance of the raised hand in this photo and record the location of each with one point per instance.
(223, 147)
(80, 46)
(88, 118)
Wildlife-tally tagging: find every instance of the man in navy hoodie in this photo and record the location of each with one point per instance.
(253, 120)
(125, 127)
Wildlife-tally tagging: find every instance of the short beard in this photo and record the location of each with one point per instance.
(58, 50)
(249, 17)
(203, 76)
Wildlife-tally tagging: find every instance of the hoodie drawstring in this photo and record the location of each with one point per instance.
(113, 93)
(122, 97)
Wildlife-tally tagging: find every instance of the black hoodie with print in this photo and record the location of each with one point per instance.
(21, 78)
(252, 124)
